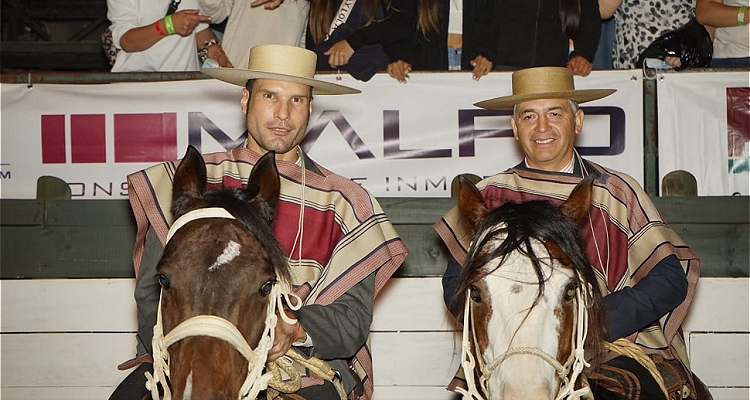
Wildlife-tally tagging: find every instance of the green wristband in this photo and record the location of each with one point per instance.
(741, 15)
(168, 24)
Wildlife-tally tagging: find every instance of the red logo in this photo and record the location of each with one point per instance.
(137, 138)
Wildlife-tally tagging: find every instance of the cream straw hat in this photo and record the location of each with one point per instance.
(543, 83)
(279, 62)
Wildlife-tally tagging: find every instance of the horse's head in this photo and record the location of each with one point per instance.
(528, 285)
(222, 260)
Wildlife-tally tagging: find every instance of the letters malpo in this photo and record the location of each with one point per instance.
(153, 137)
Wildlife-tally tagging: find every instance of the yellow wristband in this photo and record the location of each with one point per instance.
(168, 24)
(741, 15)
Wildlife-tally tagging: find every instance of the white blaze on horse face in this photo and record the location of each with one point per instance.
(188, 387)
(230, 252)
(514, 323)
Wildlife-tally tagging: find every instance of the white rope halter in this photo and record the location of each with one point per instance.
(217, 327)
(569, 372)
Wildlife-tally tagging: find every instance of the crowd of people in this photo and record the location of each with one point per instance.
(399, 36)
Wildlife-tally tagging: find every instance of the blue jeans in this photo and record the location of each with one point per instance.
(731, 62)
(454, 59)
(603, 55)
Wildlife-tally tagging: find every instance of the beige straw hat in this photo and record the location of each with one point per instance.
(279, 62)
(543, 83)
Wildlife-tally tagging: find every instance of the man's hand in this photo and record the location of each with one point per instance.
(284, 337)
(217, 53)
(482, 67)
(399, 70)
(185, 21)
(267, 4)
(339, 54)
(580, 66)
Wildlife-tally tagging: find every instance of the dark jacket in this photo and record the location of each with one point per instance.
(529, 33)
(430, 53)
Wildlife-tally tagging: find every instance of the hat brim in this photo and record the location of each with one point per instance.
(580, 96)
(239, 77)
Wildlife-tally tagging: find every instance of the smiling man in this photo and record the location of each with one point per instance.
(646, 273)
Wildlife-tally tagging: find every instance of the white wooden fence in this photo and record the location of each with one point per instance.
(63, 338)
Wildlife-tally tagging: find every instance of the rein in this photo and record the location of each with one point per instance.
(569, 372)
(220, 328)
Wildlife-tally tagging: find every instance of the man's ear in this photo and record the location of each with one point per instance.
(514, 126)
(244, 100)
(579, 121)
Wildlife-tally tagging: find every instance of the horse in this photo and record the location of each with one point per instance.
(223, 277)
(531, 306)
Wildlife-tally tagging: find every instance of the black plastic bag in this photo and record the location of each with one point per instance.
(691, 42)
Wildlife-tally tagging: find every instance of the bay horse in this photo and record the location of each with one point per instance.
(531, 304)
(223, 277)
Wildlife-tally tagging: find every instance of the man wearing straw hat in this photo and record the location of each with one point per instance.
(647, 274)
(342, 248)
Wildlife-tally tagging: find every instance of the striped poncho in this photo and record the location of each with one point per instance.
(344, 238)
(626, 240)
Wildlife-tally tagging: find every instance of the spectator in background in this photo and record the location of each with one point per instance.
(731, 38)
(603, 55)
(357, 37)
(250, 23)
(153, 39)
(451, 35)
(639, 23)
(561, 33)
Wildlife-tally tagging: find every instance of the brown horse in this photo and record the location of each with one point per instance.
(223, 277)
(530, 306)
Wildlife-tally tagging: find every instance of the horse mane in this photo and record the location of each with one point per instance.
(256, 216)
(522, 222)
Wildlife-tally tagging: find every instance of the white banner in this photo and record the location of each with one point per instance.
(704, 129)
(394, 139)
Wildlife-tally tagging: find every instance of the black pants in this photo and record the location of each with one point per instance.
(133, 387)
(624, 378)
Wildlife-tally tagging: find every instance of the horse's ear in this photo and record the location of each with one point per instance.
(189, 181)
(265, 177)
(471, 203)
(579, 202)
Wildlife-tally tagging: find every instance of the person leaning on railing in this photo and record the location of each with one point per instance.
(150, 38)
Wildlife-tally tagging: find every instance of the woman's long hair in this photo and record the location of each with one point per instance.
(428, 19)
(570, 17)
(323, 11)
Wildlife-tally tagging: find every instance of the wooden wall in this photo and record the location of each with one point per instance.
(68, 314)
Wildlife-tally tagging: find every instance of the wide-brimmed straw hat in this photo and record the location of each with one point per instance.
(279, 62)
(543, 83)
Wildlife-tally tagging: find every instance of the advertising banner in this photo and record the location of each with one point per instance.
(396, 140)
(704, 129)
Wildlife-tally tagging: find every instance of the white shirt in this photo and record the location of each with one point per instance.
(172, 53)
(250, 26)
(733, 41)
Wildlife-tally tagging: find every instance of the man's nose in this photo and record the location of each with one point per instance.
(282, 110)
(543, 124)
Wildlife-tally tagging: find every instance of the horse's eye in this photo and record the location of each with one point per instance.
(163, 281)
(266, 288)
(570, 291)
(475, 294)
